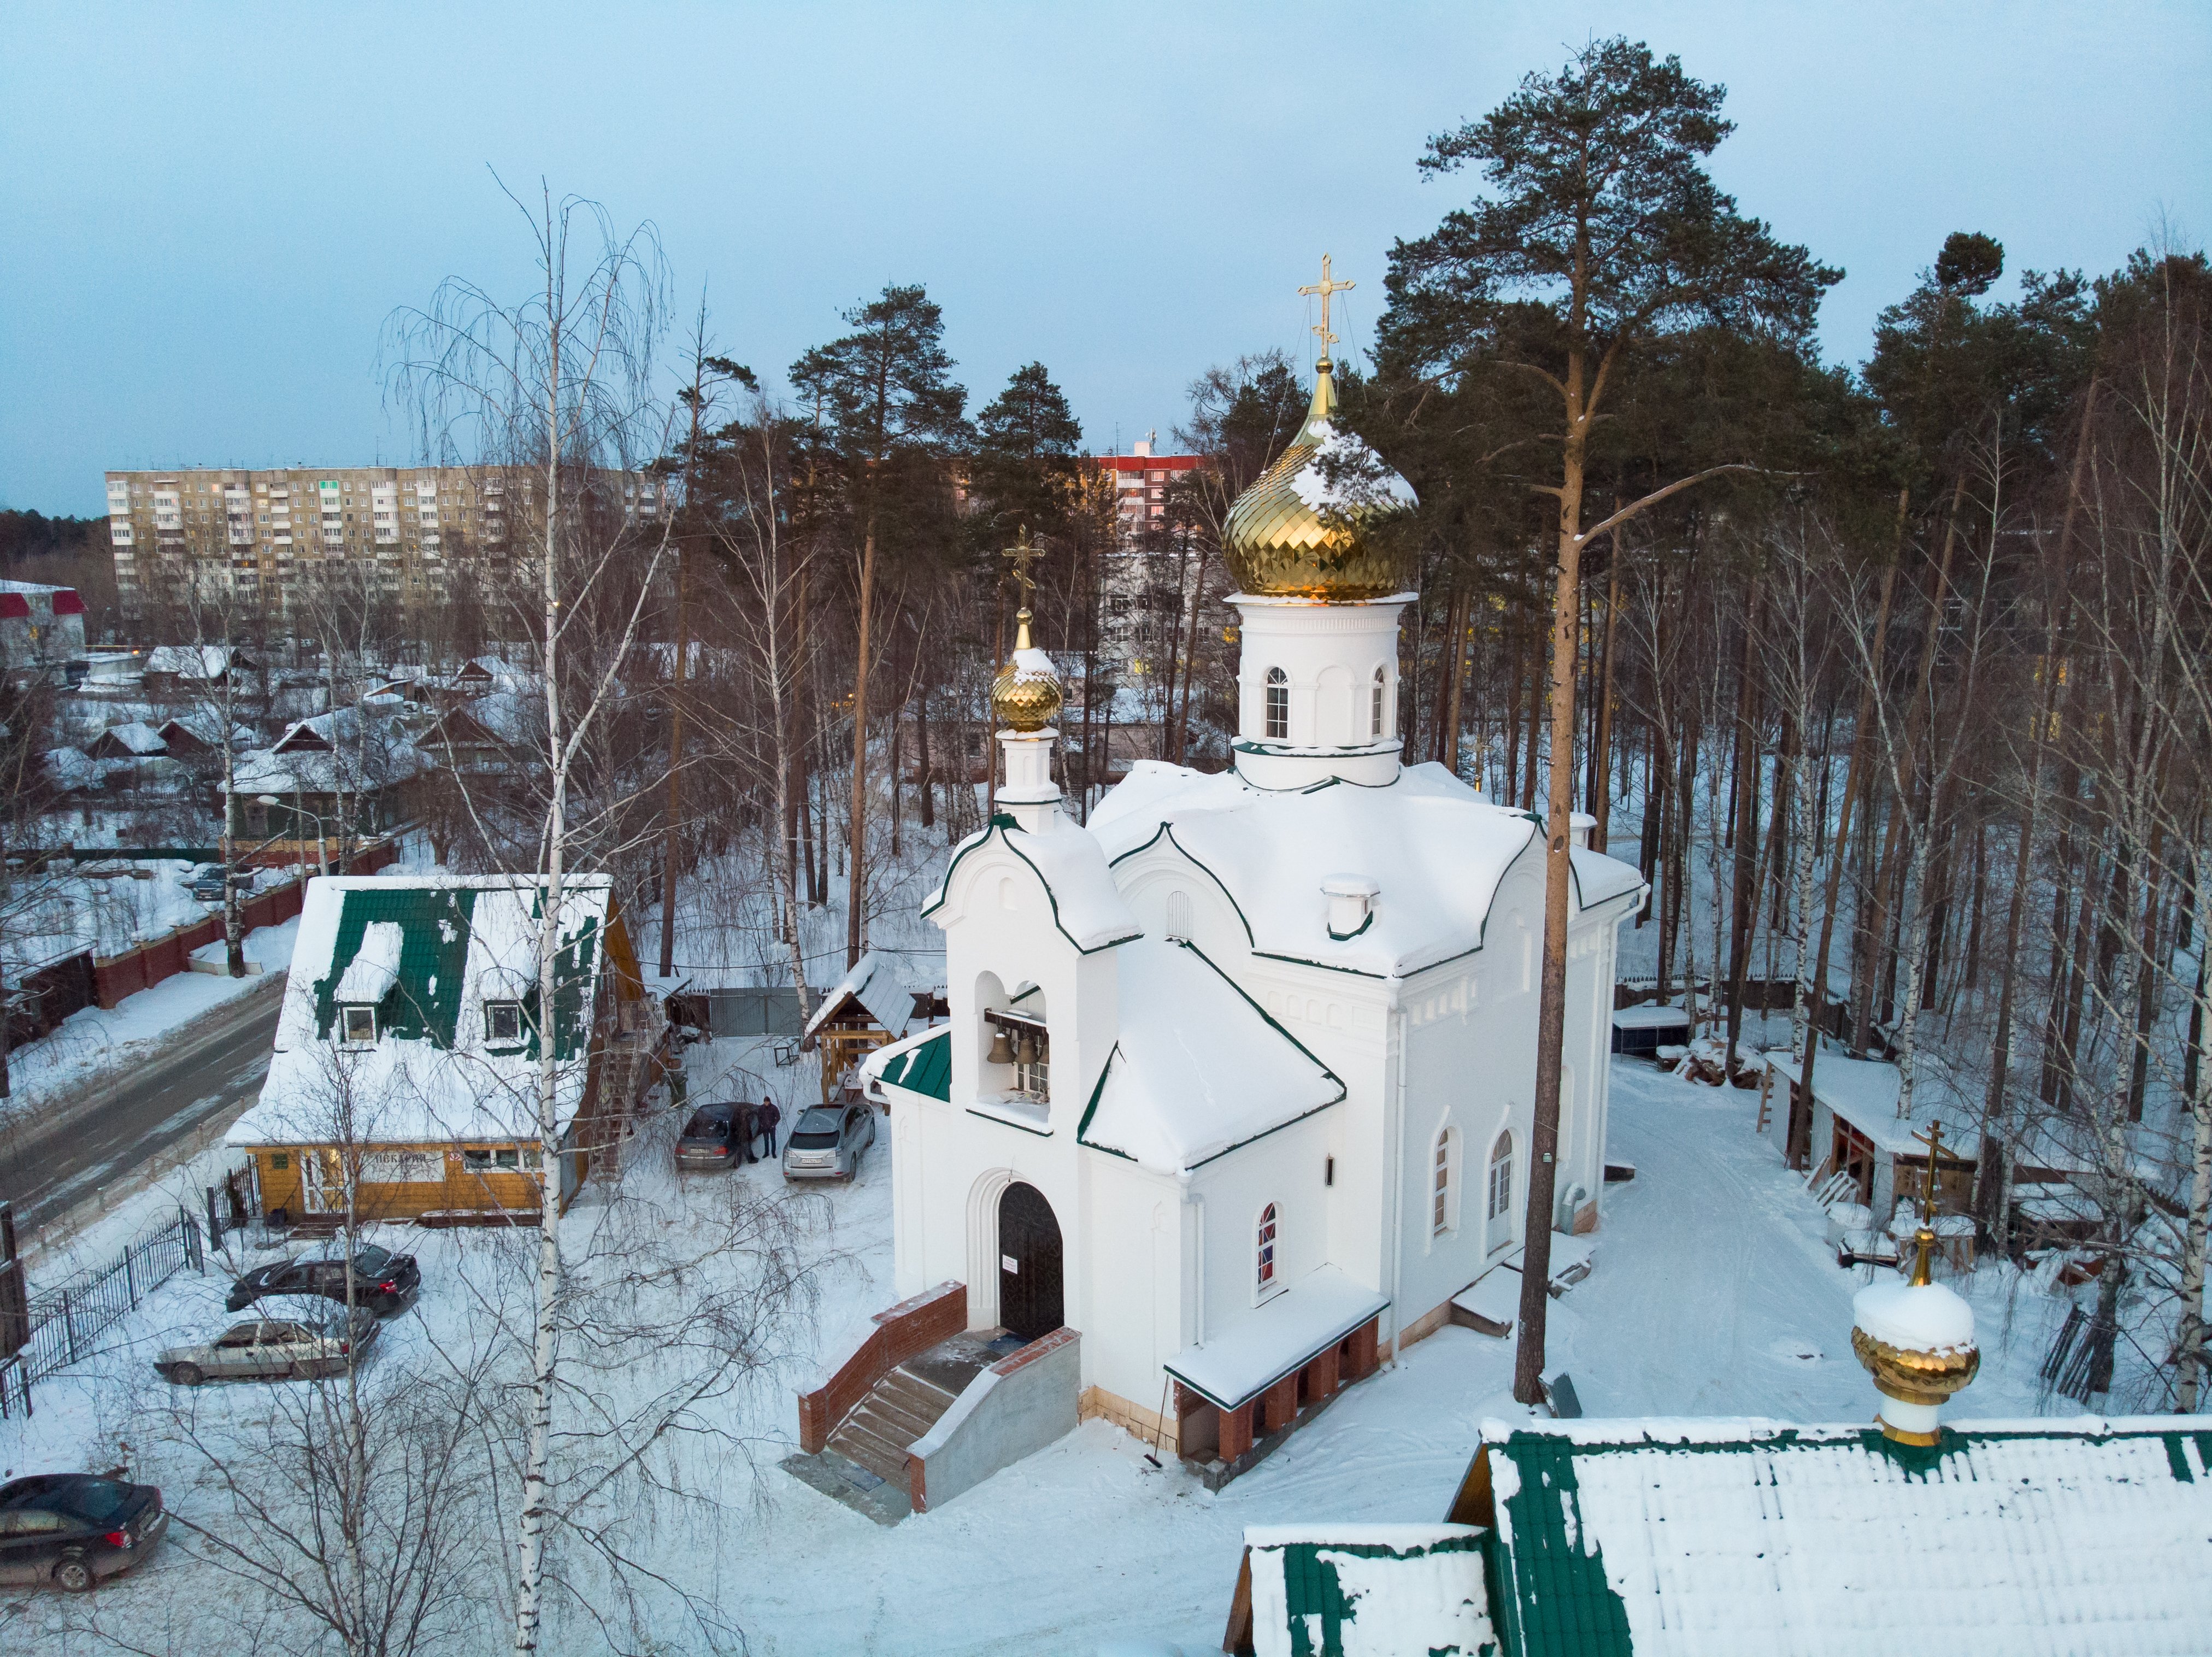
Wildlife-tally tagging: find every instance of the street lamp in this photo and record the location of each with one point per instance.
(299, 810)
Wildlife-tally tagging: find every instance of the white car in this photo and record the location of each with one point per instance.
(275, 1348)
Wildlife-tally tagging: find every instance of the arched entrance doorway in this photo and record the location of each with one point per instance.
(1029, 1302)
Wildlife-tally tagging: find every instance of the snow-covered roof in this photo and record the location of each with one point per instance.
(1198, 1070)
(1381, 1588)
(874, 985)
(1864, 1091)
(1255, 1348)
(428, 951)
(1434, 846)
(1345, 475)
(70, 768)
(137, 737)
(192, 662)
(1086, 906)
(1717, 1536)
(1655, 1018)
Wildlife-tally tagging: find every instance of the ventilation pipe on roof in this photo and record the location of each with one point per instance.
(1351, 904)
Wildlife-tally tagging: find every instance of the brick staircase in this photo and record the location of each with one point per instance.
(900, 1409)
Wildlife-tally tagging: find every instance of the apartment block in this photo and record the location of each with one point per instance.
(260, 534)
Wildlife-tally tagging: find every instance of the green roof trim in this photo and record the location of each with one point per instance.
(925, 1068)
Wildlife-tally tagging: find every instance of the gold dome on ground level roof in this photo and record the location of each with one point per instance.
(1306, 529)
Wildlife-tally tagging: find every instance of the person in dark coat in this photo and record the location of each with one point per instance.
(766, 1119)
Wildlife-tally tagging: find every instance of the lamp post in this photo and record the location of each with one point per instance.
(299, 810)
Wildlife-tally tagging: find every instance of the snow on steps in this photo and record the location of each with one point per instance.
(900, 1409)
(1491, 1303)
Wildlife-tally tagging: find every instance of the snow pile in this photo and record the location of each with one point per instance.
(1923, 1318)
(375, 965)
(1348, 478)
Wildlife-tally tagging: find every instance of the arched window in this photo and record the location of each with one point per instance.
(1501, 1177)
(1264, 1257)
(1179, 916)
(1440, 1187)
(1375, 705)
(1279, 706)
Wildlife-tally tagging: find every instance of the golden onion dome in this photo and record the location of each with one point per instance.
(1026, 694)
(1916, 1340)
(1306, 529)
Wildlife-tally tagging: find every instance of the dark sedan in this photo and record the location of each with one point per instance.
(73, 1529)
(711, 1139)
(383, 1281)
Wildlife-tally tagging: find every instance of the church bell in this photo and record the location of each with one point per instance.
(1002, 1050)
(1028, 1051)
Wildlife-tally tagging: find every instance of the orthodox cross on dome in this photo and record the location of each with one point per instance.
(1925, 1237)
(1023, 555)
(1325, 288)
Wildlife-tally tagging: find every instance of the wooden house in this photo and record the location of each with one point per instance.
(407, 1059)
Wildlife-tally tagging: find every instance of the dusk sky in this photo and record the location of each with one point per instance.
(209, 210)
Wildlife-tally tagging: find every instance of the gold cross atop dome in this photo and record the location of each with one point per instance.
(1325, 288)
(1925, 1237)
(1023, 555)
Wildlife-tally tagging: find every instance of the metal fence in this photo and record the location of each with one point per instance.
(67, 1322)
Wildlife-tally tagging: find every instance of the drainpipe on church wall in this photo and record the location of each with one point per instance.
(1395, 1103)
(1194, 1206)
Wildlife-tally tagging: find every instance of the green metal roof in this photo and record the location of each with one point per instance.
(924, 1068)
(424, 1003)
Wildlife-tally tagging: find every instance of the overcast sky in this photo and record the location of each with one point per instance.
(207, 212)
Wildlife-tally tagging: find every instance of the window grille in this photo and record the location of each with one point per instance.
(1440, 1211)
(1265, 1275)
(1501, 1177)
(1279, 706)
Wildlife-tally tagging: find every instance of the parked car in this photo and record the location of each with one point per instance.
(710, 1139)
(384, 1281)
(827, 1141)
(276, 1349)
(207, 882)
(73, 1529)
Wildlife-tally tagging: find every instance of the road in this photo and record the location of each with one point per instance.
(216, 1067)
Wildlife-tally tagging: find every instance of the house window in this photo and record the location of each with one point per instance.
(1375, 706)
(1440, 1187)
(1264, 1260)
(503, 1021)
(1501, 1177)
(358, 1025)
(1279, 706)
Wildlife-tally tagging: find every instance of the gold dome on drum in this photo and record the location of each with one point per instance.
(1026, 694)
(1285, 538)
(1916, 1377)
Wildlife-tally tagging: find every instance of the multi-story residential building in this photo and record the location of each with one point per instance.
(1140, 485)
(259, 533)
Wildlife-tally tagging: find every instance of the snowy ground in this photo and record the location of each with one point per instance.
(98, 1042)
(1713, 1294)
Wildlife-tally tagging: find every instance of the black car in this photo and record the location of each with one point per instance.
(383, 1281)
(73, 1529)
(711, 1138)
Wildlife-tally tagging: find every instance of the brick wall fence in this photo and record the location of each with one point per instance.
(907, 1330)
(115, 976)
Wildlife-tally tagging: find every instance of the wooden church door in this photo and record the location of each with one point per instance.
(1030, 1303)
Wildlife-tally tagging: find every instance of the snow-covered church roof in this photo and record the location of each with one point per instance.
(1087, 908)
(1435, 847)
(1198, 1070)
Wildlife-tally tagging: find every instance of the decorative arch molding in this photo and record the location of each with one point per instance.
(983, 1245)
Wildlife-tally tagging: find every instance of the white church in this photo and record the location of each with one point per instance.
(1237, 1080)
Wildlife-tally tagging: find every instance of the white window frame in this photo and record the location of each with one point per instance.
(1267, 1252)
(1443, 1190)
(347, 1014)
(1275, 706)
(1377, 698)
(492, 1010)
(1497, 1203)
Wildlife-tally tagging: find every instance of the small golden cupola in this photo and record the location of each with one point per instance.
(1916, 1338)
(1307, 528)
(1024, 699)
